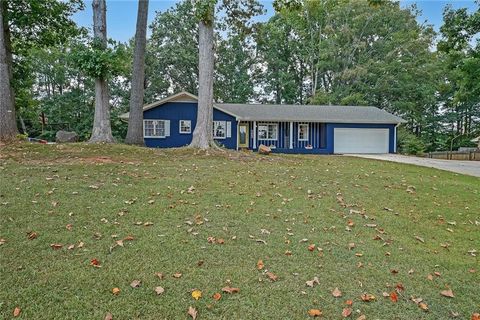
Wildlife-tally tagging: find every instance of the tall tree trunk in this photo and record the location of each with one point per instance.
(102, 131)
(8, 123)
(135, 120)
(202, 135)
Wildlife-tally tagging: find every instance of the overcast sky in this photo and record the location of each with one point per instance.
(122, 14)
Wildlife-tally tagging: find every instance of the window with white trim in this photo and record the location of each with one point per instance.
(303, 132)
(185, 126)
(154, 128)
(267, 131)
(219, 129)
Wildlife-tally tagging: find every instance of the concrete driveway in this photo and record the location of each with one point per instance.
(471, 168)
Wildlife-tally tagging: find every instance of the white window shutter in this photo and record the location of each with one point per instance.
(229, 129)
(167, 128)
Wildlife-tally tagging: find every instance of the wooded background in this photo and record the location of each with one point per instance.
(321, 52)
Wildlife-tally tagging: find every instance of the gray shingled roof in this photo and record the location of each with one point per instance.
(314, 113)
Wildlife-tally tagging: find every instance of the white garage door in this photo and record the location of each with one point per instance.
(360, 140)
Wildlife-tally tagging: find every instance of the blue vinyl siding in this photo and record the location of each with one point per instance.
(176, 111)
(320, 135)
(229, 143)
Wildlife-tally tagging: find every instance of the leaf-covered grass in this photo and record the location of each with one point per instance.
(103, 191)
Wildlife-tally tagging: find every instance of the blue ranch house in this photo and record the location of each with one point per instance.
(314, 129)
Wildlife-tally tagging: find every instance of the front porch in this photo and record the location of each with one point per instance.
(284, 137)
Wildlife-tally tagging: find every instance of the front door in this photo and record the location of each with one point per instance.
(243, 135)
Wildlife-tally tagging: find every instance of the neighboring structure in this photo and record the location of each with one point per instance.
(285, 128)
(477, 141)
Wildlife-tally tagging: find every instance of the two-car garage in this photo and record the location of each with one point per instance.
(361, 140)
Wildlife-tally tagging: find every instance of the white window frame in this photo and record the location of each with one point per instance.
(189, 122)
(156, 124)
(224, 130)
(268, 125)
(305, 138)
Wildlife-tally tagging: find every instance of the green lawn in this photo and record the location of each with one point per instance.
(262, 207)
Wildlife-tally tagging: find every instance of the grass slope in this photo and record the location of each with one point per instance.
(103, 191)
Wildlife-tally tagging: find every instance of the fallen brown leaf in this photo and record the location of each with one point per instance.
(367, 297)
(420, 239)
(56, 246)
(177, 275)
(95, 263)
(160, 275)
(272, 276)
(475, 316)
(32, 235)
(447, 293)
(346, 312)
(314, 313)
(16, 311)
(135, 283)
(416, 300)
(230, 290)
(260, 265)
(399, 287)
(423, 306)
(311, 247)
(336, 293)
(108, 316)
(311, 283)
(159, 290)
(217, 296)
(192, 312)
(393, 296)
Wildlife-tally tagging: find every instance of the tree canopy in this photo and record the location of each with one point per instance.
(341, 52)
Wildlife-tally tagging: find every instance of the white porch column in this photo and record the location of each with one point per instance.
(395, 138)
(291, 136)
(254, 134)
(238, 133)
